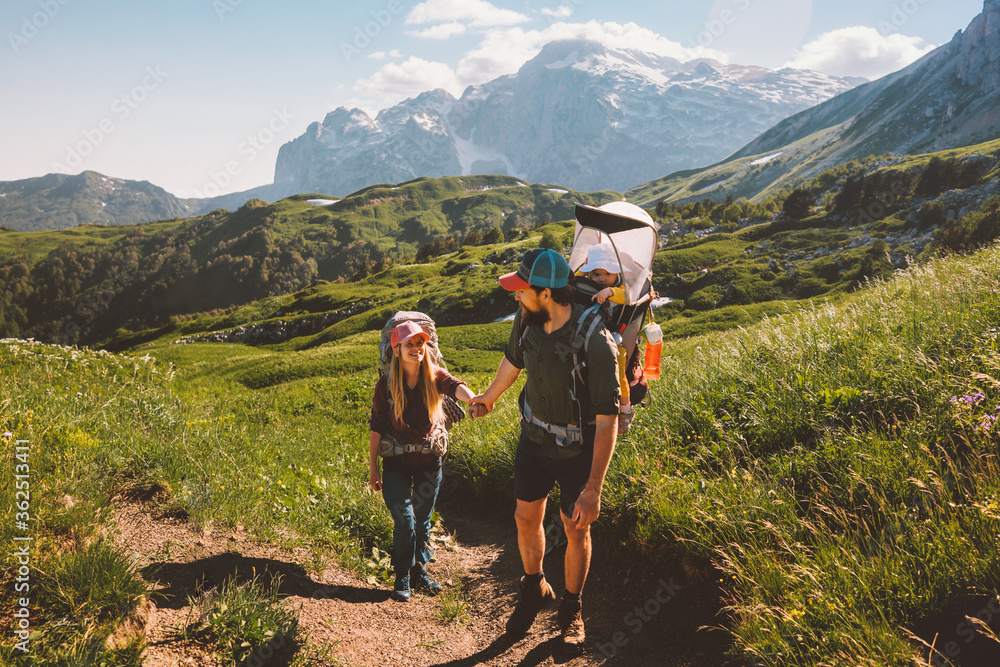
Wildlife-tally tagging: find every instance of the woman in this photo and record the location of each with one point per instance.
(407, 431)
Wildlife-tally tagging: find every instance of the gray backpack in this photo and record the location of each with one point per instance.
(452, 410)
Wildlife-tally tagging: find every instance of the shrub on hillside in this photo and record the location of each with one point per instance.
(798, 204)
(970, 231)
(436, 248)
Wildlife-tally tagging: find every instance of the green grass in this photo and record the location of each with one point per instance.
(815, 460)
(454, 606)
(244, 622)
(94, 581)
(819, 462)
(79, 599)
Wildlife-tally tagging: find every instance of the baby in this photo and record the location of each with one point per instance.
(601, 261)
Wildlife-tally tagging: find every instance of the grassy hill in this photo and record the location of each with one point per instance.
(821, 442)
(759, 176)
(87, 282)
(834, 466)
(240, 275)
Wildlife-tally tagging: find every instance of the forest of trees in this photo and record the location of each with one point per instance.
(84, 294)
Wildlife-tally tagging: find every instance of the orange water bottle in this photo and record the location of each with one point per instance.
(654, 345)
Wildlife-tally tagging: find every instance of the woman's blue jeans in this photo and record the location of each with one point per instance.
(410, 494)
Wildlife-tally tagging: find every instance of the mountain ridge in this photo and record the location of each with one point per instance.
(948, 99)
(639, 115)
(58, 201)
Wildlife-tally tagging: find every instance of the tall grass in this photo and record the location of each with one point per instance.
(838, 465)
(245, 621)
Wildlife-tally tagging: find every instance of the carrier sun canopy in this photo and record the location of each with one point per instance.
(630, 230)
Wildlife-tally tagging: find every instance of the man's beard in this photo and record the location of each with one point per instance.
(535, 317)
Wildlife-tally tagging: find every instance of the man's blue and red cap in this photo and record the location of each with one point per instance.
(539, 267)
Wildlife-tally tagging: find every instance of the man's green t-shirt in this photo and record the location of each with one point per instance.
(548, 362)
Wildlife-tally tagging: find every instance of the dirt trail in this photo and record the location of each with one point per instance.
(635, 616)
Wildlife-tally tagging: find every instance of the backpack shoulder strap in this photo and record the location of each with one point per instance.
(522, 333)
(590, 319)
(588, 323)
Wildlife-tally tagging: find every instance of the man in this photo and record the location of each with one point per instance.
(568, 429)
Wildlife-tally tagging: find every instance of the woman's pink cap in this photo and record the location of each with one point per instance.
(404, 331)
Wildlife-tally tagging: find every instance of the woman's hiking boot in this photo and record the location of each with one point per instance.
(571, 628)
(423, 583)
(401, 589)
(533, 598)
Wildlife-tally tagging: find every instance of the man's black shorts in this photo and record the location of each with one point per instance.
(535, 475)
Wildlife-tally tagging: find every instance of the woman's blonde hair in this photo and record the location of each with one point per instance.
(427, 387)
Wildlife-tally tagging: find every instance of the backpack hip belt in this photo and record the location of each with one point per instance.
(566, 436)
(435, 443)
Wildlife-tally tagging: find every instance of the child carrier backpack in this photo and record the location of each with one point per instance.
(452, 410)
(632, 234)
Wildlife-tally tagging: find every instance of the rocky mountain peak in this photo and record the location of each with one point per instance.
(342, 116)
(979, 49)
(346, 126)
(597, 58)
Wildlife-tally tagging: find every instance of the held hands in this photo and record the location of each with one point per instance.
(603, 295)
(478, 407)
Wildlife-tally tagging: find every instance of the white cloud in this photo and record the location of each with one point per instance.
(563, 11)
(859, 51)
(477, 13)
(440, 31)
(395, 82)
(503, 51)
(382, 55)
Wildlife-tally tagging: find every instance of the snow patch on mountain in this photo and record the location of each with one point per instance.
(769, 158)
(568, 61)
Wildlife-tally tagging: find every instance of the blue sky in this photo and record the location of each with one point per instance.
(197, 96)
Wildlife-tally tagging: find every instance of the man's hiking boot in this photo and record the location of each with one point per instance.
(533, 599)
(423, 583)
(401, 589)
(571, 628)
